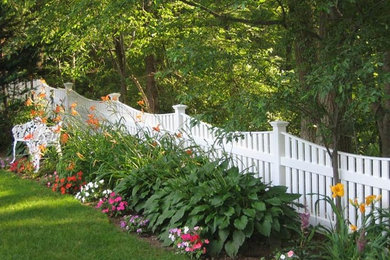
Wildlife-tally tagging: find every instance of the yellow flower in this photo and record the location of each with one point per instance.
(354, 202)
(80, 156)
(338, 190)
(362, 207)
(353, 228)
(370, 199)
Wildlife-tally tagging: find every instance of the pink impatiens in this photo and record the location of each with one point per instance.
(113, 206)
(188, 241)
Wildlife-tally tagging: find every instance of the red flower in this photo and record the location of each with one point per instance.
(68, 185)
(157, 128)
(62, 180)
(63, 190)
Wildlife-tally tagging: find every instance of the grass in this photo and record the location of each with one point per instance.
(36, 223)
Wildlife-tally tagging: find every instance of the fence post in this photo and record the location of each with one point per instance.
(278, 174)
(180, 110)
(68, 88)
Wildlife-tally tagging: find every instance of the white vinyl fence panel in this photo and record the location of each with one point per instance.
(275, 156)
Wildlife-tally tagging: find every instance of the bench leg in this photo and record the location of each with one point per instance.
(14, 152)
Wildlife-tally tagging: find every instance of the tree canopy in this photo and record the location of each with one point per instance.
(321, 65)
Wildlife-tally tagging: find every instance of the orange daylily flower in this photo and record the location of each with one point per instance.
(353, 228)
(44, 120)
(33, 112)
(57, 129)
(41, 112)
(57, 118)
(354, 202)
(58, 109)
(115, 98)
(178, 135)
(362, 207)
(92, 108)
(28, 137)
(74, 112)
(139, 117)
(73, 105)
(42, 148)
(338, 190)
(29, 102)
(141, 103)
(370, 199)
(189, 152)
(157, 128)
(42, 95)
(105, 98)
(93, 120)
(64, 138)
(70, 166)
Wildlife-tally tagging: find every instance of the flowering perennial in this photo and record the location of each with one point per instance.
(68, 185)
(134, 223)
(188, 241)
(92, 191)
(113, 205)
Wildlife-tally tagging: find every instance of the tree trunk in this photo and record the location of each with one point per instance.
(151, 86)
(121, 65)
(383, 121)
(302, 22)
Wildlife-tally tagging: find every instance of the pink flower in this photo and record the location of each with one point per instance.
(197, 245)
(206, 241)
(186, 237)
(290, 253)
(112, 194)
(111, 201)
(118, 199)
(99, 204)
(105, 210)
(189, 249)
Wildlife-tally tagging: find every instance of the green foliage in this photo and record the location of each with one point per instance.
(369, 241)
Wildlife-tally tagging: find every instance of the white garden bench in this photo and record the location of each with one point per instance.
(36, 134)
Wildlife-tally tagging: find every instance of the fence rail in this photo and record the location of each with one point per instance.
(276, 156)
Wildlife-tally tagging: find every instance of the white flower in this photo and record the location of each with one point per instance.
(101, 181)
(86, 194)
(87, 187)
(186, 229)
(96, 185)
(282, 257)
(172, 237)
(83, 200)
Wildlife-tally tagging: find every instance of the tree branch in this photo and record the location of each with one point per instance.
(232, 18)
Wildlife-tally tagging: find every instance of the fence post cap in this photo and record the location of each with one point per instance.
(279, 123)
(68, 85)
(179, 106)
(114, 96)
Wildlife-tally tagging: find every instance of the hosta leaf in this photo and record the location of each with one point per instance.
(274, 201)
(199, 209)
(232, 246)
(264, 227)
(240, 223)
(259, 206)
(179, 214)
(249, 212)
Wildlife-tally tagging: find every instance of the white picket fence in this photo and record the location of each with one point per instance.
(276, 156)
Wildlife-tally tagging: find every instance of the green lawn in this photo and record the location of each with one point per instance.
(36, 223)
